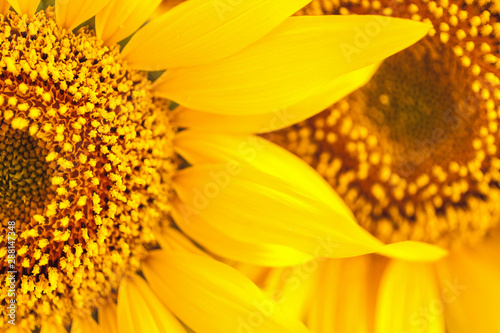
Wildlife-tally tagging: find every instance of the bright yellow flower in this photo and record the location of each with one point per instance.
(414, 154)
(92, 191)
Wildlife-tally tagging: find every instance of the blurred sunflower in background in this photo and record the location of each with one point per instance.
(414, 154)
(94, 183)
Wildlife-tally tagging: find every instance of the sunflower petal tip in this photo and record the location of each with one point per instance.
(414, 251)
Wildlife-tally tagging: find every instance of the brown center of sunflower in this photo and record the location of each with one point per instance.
(25, 186)
(86, 161)
(414, 153)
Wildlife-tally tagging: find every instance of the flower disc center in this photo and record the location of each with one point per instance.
(25, 187)
(420, 109)
(86, 160)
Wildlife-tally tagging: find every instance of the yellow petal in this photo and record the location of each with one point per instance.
(227, 247)
(322, 317)
(198, 32)
(353, 290)
(84, 324)
(164, 7)
(252, 206)
(291, 287)
(208, 147)
(409, 300)
(139, 310)
(24, 6)
(255, 273)
(4, 6)
(469, 287)
(173, 240)
(209, 296)
(237, 151)
(15, 329)
(414, 251)
(71, 13)
(120, 18)
(288, 65)
(108, 318)
(256, 207)
(267, 122)
(52, 327)
(341, 286)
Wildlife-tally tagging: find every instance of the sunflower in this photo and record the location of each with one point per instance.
(94, 175)
(414, 155)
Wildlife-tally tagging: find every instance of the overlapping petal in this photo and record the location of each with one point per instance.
(289, 64)
(280, 118)
(341, 286)
(235, 149)
(22, 6)
(51, 327)
(291, 287)
(247, 153)
(84, 324)
(220, 244)
(108, 318)
(139, 310)
(253, 206)
(409, 300)
(16, 329)
(469, 286)
(198, 32)
(121, 18)
(4, 6)
(174, 240)
(71, 13)
(165, 6)
(325, 304)
(213, 297)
